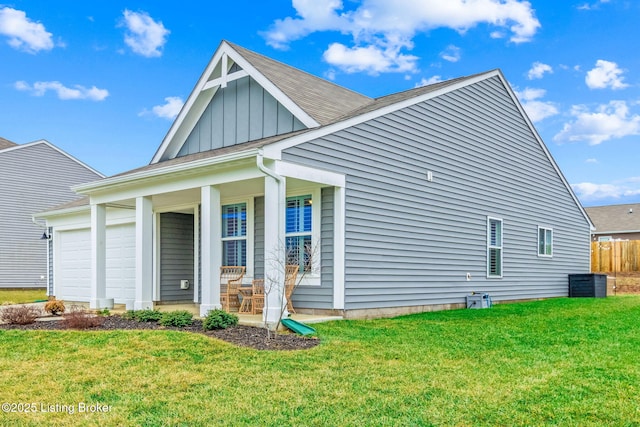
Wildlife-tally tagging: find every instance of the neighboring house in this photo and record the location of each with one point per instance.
(615, 222)
(409, 202)
(33, 177)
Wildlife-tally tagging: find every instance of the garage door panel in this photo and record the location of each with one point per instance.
(72, 264)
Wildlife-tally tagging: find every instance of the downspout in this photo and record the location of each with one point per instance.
(281, 195)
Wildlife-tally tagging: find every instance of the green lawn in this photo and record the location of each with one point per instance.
(563, 362)
(19, 296)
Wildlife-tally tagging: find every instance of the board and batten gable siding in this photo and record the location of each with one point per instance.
(32, 178)
(176, 256)
(241, 112)
(321, 297)
(411, 242)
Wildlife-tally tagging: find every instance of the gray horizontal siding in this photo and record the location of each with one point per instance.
(412, 242)
(321, 297)
(32, 179)
(176, 256)
(241, 112)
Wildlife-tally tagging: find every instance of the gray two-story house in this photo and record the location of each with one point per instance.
(33, 177)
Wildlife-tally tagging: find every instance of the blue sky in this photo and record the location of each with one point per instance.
(103, 80)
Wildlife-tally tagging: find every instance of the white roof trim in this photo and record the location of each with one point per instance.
(50, 145)
(191, 166)
(202, 95)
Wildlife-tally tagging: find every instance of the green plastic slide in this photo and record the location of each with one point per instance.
(298, 327)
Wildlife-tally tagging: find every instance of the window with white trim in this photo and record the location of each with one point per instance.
(298, 231)
(494, 247)
(545, 242)
(234, 234)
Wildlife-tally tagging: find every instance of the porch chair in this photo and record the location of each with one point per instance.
(230, 281)
(257, 299)
(290, 276)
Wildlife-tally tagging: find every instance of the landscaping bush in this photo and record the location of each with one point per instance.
(54, 307)
(178, 319)
(219, 319)
(103, 312)
(147, 315)
(19, 314)
(78, 318)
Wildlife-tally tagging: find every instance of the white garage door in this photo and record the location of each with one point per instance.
(72, 269)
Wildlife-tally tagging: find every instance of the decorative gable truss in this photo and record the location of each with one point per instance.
(232, 103)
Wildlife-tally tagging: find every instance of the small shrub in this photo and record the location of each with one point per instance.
(78, 318)
(19, 314)
(147, 315)
(178, 319)
(129, 315)
(103, 312)
(54, 307)
(219, 319)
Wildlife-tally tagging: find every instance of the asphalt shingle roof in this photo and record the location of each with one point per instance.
(5, 143)
(615, 217)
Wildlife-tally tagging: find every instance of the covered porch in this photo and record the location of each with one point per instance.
(193, 217)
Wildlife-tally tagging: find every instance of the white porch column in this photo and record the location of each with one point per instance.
(211, 243)
(98, 256)
(338, 247)
(274, 250)
(144, 254)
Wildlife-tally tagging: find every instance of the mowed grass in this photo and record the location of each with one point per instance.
(21, 295)
(563, 362)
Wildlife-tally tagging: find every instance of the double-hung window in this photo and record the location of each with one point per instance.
(298, 231)
(234, 234)
(545, 242)
(494, 247)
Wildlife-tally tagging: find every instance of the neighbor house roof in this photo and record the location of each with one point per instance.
(615, 218)
(5, 143)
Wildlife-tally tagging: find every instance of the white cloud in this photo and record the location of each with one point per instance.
(606, 74)
(63, 92)
(592, 6)
(144, 36)
(170, 109)
(607, 121)
(23, 33)
(380, 29)
(431, 80)
(451, 53)
(371, 59)
(538, 69)
(590, 192)
(591, 160)
(536, 109)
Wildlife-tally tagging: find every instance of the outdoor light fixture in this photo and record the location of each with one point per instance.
(45, 236)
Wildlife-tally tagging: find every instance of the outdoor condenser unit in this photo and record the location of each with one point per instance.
(478, 300)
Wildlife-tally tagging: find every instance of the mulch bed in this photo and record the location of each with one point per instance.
(245, 336)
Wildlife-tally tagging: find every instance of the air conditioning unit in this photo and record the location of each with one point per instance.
(478, 301)
(184, 284)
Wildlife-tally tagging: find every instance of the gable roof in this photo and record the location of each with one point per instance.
(5, 143)
(615, 218)
(310, 99)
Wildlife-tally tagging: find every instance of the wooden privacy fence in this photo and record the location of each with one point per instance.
(615, 256)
